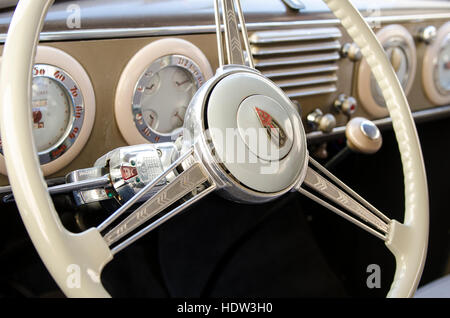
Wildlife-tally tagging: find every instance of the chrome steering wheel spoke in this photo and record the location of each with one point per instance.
(323, 187)
(188, 187)
(233, 45)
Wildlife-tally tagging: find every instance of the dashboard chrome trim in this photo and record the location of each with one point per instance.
(91, 34)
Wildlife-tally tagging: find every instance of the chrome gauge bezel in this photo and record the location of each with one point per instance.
(75, 97)
(393, 42)
(69, 74)
(390, 36)
(436, 79)
(173, 60)
(430, 81)
(131, 75)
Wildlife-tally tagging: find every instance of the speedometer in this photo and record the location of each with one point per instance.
(51, 112)
(156, 88)
(62, 108)
(58, 111)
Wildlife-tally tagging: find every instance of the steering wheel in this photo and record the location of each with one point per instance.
(237, 97)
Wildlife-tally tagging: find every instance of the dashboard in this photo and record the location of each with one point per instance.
(109, 74)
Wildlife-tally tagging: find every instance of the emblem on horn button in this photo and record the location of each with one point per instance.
(273, 129)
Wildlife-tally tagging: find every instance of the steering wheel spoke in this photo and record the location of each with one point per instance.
(233, 45)
(188, 187)
(337, 197)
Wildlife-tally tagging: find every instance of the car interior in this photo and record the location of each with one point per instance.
(224, 148)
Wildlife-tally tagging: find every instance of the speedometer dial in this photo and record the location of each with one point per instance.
(62, 108)
(156, 88)
(52, 112)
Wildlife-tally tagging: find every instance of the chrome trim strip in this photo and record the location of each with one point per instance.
(299, 71)
(301, 48)
(295, 35)
(294, 60)
(311, 91)
(383, 124)
(306, 81)
(91, 34)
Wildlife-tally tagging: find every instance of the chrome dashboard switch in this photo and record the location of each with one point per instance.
(128, 169)
(346, 104)
(317, 120)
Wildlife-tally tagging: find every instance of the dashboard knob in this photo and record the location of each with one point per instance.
(318, 121)
(363, 136)
(352, 51)
(346, 104)
(427, 34)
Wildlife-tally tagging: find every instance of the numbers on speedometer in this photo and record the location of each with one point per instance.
(52, 110)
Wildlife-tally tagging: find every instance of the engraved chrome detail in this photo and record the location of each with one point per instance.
(183, 184)
(340, 194)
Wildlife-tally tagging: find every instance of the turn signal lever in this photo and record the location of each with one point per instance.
(363, 136)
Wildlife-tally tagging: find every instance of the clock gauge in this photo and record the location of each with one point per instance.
(155, 89)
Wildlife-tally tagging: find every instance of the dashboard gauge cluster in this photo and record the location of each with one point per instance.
(62, 107)
(156, 88)
(436, 68)
(401, 51)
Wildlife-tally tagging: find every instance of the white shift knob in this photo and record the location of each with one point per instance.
(363, 136)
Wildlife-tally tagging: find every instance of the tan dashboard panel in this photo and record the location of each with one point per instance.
(105, 60)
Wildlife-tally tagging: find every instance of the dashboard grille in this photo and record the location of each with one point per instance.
(303, 62)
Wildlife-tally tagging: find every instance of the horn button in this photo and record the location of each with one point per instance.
(265, 127)
(256, 133)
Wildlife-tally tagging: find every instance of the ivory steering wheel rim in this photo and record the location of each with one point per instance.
(66, 254)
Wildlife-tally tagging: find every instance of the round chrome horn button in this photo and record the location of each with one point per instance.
(247, 101)
(265, 127)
